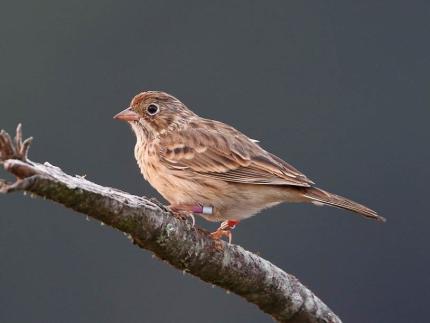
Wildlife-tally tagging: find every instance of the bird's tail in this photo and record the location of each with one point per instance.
(320, 197)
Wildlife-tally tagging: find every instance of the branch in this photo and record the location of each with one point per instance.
(151, 226)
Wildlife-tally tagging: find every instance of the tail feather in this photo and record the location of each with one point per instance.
(319, 196)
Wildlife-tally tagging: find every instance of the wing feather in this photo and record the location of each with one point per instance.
(222, 152)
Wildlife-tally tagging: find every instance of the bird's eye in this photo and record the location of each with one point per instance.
(152, 109)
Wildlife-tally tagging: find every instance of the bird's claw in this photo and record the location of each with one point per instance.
(218, 234)
(183, 215)
(225, 230)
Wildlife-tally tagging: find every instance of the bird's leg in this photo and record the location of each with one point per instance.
(183, 211)
(225, 230)
(189, 210)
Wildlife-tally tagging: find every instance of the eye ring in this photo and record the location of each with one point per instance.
(152, 109)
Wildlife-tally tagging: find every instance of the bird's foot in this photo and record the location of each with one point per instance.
(188, 210)
(184, 211)
(225, 230)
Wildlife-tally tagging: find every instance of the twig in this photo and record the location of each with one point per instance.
(151, 226)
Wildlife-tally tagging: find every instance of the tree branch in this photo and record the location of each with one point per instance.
(151, 226)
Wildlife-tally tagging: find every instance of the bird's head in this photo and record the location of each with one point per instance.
(153, 113)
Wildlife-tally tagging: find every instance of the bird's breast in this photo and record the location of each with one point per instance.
(166, 182)
(147, 159)
(176, 186)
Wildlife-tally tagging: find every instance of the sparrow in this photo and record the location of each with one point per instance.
(206, 167)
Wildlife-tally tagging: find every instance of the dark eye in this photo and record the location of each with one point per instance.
(152, 109)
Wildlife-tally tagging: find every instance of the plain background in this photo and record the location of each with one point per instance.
(339, 89)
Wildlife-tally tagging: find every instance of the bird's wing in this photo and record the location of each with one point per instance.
(222, 152)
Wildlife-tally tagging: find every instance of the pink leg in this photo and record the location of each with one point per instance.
(225, 230)
(190, 209)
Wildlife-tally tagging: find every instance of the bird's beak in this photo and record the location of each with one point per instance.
(127, 115)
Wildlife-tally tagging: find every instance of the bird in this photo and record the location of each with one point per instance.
(209, 168)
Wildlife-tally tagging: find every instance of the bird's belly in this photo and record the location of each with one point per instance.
(180, 190)
(241, 201)
(182, 187)
(230, 201)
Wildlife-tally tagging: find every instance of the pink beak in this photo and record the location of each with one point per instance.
(127, 115)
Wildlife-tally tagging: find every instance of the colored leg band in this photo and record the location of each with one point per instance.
(209, 210)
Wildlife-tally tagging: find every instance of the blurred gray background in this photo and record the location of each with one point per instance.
(339, 89)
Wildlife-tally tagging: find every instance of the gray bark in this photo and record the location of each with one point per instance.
(151, 226)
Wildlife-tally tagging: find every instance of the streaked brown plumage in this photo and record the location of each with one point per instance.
(195, 161)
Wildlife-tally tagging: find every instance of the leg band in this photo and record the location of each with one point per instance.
(199, 209)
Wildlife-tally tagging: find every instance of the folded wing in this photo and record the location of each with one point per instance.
(222, 152)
